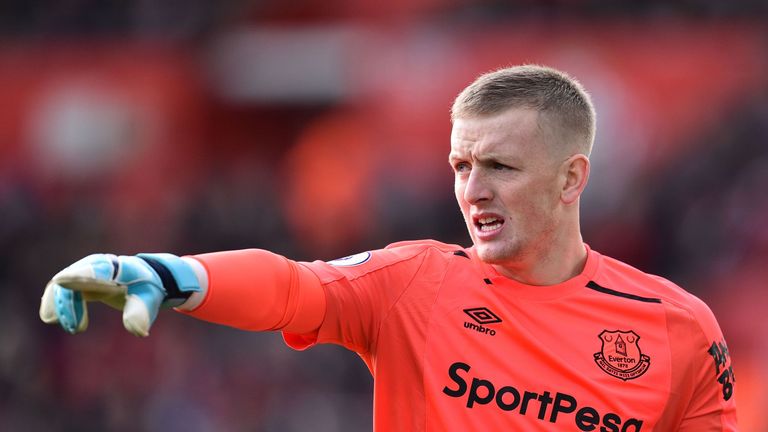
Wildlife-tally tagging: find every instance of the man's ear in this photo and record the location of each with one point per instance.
(576, 171)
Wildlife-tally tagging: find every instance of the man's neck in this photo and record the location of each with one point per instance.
(549, 267)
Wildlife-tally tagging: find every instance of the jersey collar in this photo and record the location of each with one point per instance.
(516, 289)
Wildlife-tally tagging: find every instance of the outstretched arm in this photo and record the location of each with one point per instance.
(249, 289)
(254, 289)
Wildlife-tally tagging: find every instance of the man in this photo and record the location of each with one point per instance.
(528, 329)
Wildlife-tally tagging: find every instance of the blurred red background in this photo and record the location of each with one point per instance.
(319, 129)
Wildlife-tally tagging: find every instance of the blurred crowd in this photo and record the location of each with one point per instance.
(320, 129)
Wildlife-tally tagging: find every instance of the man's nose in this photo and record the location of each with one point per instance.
(477, 188)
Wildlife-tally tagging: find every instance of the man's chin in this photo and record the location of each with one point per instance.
(491, 255)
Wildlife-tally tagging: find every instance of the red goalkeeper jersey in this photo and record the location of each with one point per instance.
(453, 345)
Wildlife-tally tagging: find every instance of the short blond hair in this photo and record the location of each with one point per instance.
(560, 99)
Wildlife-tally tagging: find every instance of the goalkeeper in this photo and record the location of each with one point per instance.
(528, 329)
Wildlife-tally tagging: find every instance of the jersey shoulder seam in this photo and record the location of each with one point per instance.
(400, 295)
(428, 245)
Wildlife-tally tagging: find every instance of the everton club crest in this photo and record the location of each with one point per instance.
(620, 355)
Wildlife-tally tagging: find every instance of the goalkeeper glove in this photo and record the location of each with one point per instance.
(138, 285)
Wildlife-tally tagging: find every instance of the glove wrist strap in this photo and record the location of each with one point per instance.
(177, 278)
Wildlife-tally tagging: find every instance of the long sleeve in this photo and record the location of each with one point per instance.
(254, 289)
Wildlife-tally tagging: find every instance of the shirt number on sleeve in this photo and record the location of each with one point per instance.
(723, 370)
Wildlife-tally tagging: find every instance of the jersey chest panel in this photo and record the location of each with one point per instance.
(586, 361)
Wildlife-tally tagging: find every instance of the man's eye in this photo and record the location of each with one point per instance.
(461, 167)
(500, 166)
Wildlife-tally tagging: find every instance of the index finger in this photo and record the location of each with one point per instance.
(89, 285)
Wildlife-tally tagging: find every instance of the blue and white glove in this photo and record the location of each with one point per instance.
(138, 285)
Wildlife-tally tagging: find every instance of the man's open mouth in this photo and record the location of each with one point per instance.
(488, 223)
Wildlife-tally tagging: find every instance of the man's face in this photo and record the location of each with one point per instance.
(507, 185)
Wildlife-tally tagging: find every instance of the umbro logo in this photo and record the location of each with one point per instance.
(482, 316)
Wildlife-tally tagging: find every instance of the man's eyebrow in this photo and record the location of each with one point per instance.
(496, 157)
